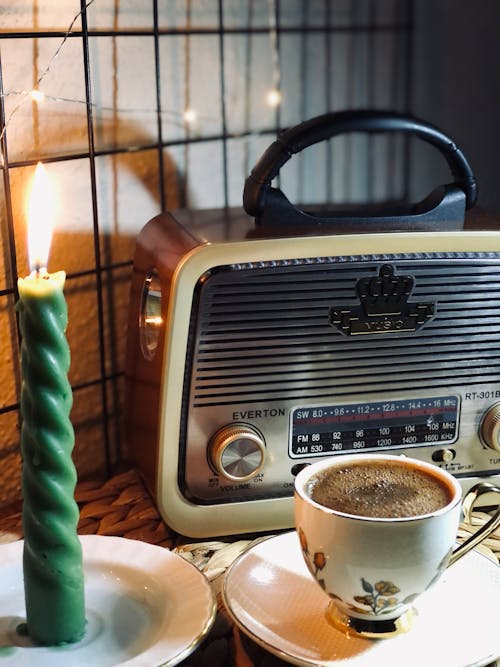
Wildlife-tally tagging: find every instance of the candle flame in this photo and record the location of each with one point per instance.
(40, 220)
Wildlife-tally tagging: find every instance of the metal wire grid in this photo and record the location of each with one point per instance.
(108, 386)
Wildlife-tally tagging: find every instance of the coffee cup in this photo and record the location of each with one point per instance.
(377, 531)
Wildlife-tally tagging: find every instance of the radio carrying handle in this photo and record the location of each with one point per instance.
(444, 207)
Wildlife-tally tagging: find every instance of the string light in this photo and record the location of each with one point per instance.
(29, 95)
(273, 98)
(180, 118)
(190, 116)
(37, 95)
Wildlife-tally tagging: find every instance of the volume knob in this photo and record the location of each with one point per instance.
(237, 452)
(490, 427)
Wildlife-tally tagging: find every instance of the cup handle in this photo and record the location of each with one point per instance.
(468, 503)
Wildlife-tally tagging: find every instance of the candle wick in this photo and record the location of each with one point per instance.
(40, 271)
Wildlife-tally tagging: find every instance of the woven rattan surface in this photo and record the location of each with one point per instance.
(122, 506)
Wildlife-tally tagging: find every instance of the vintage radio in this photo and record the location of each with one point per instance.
(256, 347)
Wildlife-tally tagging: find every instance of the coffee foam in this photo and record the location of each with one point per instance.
(383, 489)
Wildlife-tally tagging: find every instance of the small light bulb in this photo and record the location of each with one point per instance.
(190, 116)
(37, 95)
(273, 98)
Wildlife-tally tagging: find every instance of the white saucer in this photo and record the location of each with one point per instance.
(145, 607)
(271, 596)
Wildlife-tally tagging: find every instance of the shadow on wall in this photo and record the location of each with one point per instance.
(128, 194)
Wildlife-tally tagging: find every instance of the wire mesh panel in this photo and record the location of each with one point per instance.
(136, 107)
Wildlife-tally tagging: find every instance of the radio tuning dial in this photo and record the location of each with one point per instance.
(490, 427)
(237, 452)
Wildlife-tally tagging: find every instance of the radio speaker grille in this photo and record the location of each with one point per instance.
(263, 330)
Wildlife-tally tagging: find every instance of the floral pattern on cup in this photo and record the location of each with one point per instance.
(379, 597)
(317, 561)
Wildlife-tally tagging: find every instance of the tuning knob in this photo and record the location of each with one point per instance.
(490, 427)
(237, 451)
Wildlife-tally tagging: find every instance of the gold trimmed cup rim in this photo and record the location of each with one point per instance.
(312, 469)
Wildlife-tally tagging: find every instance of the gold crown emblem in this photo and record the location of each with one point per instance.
(384, 306)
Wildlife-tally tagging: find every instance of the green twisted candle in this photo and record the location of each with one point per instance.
(52, 558)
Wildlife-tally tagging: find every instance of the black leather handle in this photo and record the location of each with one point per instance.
(295, 139)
